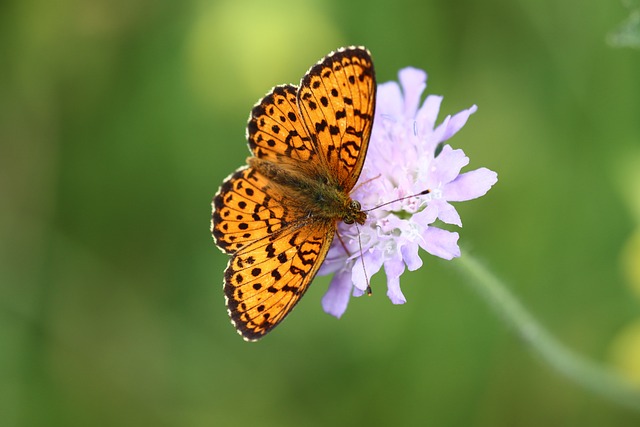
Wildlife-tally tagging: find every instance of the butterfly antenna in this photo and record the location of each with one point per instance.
(366, 276)
(422, 193)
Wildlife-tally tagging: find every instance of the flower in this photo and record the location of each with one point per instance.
(406, 156)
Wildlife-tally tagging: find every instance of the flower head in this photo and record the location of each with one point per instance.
(406, 156)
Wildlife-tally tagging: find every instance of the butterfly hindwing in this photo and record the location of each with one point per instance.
(265, 280)
(276, 250)
(246, 209)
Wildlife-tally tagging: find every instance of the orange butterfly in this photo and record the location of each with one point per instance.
(278, 215)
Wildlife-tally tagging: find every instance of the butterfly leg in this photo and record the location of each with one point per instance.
(342, 243)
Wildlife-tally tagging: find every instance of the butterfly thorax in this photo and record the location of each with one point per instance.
(311, 191)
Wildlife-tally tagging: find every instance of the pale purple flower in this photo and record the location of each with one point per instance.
(402, 161)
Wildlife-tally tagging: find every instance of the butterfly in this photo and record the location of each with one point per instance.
(277, 215)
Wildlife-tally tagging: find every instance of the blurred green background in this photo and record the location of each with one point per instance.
(118, 121)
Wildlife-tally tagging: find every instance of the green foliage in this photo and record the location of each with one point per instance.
(627, 34)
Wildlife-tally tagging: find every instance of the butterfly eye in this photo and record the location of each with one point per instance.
(353, 213)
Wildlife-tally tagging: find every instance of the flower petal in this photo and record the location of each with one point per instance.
(410, 256)
(426, 216)
(389, 103)
(428, 114)
(448, 214)
(441, 243)
(413, 81)
(470, 185)
(335, 259)
(394, 268)
(336, 299)
(447, 165)
(357, 292)
(452, 126)
(372, 262)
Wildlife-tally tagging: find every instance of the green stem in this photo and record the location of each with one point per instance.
(588, 374)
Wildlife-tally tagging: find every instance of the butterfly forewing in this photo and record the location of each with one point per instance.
(337, 103)
(275, 131)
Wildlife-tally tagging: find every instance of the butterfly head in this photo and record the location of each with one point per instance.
(354, 213)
